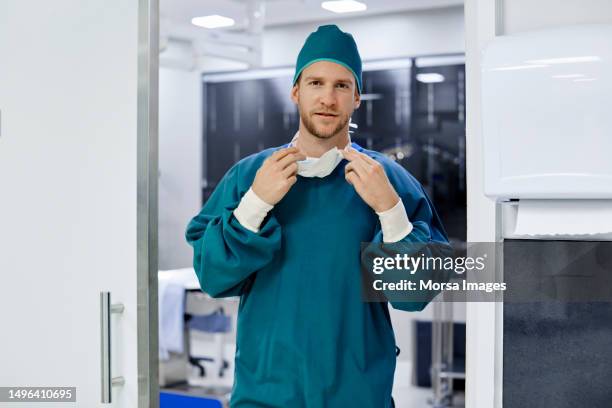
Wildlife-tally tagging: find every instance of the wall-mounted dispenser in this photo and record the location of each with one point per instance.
(547, 114)
(547, 126)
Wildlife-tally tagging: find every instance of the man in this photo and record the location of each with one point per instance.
(283, 231)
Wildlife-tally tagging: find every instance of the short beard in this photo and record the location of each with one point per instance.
(310, 126)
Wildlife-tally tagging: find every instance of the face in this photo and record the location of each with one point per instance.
(326, 95)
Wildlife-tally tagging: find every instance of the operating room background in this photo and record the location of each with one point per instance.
(213, 112)
(413, 110)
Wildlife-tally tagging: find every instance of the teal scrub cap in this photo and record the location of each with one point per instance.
(329, 43)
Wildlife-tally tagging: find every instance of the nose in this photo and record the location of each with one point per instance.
(328, 96)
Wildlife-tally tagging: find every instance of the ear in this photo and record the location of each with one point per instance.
(295, 93)
(357, 101)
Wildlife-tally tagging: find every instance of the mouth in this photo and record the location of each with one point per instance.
(325, 114)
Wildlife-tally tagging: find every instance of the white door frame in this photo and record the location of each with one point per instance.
(484, 321)
(147, 258)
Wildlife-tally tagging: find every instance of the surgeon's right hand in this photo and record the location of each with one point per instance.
(277, 175)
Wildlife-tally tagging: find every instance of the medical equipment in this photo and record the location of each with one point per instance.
(206, 331)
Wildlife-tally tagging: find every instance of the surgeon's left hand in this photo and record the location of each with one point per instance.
(369, 179)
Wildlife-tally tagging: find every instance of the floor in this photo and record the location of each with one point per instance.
(404, 394)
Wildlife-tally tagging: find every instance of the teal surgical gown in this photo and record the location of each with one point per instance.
(305, 337)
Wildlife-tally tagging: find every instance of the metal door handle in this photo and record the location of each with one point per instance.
(105, 330)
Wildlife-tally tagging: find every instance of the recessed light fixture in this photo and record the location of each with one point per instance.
(430, 78)
(344, 6)
(213, 21)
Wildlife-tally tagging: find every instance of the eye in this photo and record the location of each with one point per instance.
(314, 83)
(343, 85)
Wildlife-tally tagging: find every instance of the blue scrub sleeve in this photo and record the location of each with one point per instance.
(225, 254)
(427, 230)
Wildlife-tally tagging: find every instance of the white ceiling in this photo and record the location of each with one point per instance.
(281, 12)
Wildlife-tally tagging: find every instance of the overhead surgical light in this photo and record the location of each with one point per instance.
(212, 21)
(344, 6)
(430, 78)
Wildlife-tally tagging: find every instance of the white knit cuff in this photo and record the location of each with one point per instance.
(251, 211)
(394, 223)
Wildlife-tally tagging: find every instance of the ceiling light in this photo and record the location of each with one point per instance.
(213, 21)
(343, 6)
(430, 78)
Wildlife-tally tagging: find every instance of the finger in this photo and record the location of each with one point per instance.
(290, 170)
(354, 180)
(348, 178)
(352, 155)
(292, 180)
(290, 158)
(360, 167)
(350, 168)
(348, 153)
(279, 154)
(353, 177)
(369, 164)
(368, 159)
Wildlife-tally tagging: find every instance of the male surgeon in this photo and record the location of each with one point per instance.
(283, 230)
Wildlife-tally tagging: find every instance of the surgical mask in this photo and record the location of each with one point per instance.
(319, 166)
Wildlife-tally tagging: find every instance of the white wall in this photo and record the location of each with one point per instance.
(180, 164)
(484, 342)
(524, 15)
